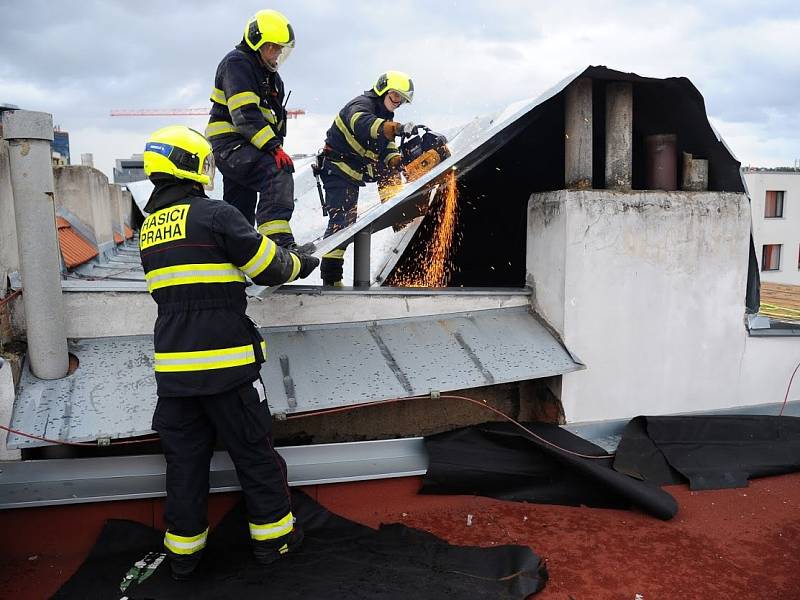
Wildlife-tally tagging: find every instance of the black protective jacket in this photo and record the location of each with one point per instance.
(195, 253)
(247, 104)
(355, 144)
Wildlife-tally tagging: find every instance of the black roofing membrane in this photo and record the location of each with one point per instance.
(338, 559)
(710, 452)
(502, 461)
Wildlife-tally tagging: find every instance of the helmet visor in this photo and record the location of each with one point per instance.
(274, 55)
(209, 170)
(285, 52)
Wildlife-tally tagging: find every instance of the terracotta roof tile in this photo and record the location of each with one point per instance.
(74, 248)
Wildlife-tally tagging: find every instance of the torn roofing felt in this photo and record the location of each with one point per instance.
(113, 393)
(523, 153)
(338, 559)
(711, 452)
(502, 461)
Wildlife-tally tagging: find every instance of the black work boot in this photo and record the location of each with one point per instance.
(268, 551)
(183, 566)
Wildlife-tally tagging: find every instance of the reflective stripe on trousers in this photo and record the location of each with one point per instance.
(205, 360)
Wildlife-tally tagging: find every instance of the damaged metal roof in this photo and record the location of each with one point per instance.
(113, 392)
(677, 102)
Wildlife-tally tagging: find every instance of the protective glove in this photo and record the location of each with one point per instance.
(394, 162)
(283, 160)
(307, 264)
(408, 129)
(391, 129)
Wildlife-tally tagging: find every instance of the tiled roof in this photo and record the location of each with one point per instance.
(74, 248)
(780, 301)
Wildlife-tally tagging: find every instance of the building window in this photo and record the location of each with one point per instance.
(771, 257)
(773, 205)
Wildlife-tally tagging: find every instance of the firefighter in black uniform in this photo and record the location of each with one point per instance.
(195, 253)
(248, 125)
(360, 148)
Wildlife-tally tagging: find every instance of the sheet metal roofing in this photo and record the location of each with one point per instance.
(75, 250)
(113, 392)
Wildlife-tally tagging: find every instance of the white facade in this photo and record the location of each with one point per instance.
(647, 288)
(783, 230)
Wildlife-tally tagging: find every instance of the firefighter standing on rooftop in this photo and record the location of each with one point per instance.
(247, 126)
(360, 148)
(208, 353)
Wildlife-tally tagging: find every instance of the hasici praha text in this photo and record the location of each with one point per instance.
(165, 225)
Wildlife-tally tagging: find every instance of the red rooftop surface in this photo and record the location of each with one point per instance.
(725, 544)
(74, 249)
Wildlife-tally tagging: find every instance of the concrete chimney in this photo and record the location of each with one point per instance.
(29, 135)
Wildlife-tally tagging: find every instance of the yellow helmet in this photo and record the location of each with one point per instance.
(269, 26)
(396, 81)
(181, 152)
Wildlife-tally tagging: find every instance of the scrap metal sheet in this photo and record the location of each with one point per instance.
(113, 392)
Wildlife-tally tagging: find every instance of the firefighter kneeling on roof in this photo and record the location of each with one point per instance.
(360, 148)
(196, 253)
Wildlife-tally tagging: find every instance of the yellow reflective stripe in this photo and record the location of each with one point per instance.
(271, 531)
(273, 227)
(262, 258)
(206, 360)
(192, 274)
(295, 267)
(239, 100)
(337, 254)
(218, 96)
(360, 150)
(179, 544)
(268, 114)
(373, 131)
(346, 169)
(219, 128)
(389, 157)
(264, 135)
(353, 119)
(391, 146)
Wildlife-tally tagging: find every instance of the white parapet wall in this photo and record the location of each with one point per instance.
(115, 196)
(647, 288)
(84, 193)
(6, 408)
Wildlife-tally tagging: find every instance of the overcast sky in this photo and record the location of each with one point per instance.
(79, 60)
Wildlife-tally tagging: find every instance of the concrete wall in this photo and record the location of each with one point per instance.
(125, 206)
(114, 196)
(83, 192)
(647, 289)
(6, 408)
(785, 230)
(9, 257)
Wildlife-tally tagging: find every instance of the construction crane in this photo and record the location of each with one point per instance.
(169, 112)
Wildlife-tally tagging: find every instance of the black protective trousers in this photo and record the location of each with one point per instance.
(189, 427)
(254, 184)
(341, 200)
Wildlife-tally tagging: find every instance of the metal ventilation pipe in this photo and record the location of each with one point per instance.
(29, 135)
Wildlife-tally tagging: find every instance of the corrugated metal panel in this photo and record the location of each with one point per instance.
(112, 394)
(74, 249)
